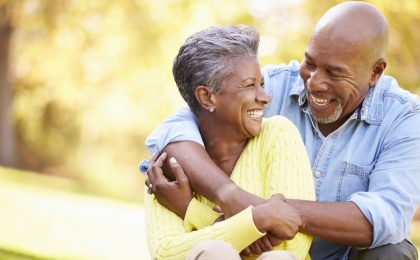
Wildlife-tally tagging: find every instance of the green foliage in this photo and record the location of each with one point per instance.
(91, 78)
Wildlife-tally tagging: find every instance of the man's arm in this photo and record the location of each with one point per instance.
(340, 222)
(208, 180)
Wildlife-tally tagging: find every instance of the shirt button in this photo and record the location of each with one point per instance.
(317, 174)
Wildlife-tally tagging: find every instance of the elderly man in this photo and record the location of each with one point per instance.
(360, 130)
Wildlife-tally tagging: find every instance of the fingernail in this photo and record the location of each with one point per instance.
(173, 160)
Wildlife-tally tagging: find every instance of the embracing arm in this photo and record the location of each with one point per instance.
(382, 214)
(199, 167)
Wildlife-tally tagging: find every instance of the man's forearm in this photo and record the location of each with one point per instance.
(339, 222)
(209, 180)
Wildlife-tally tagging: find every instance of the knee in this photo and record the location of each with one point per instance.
(213, 249)
(404, 251)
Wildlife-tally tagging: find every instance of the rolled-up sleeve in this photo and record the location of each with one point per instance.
(394, 184)
(179, 127)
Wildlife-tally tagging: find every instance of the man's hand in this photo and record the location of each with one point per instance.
(175, 195)
(277, 217)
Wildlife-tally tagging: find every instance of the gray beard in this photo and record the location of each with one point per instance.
(329, 119)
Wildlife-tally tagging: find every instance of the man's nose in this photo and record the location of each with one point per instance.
(316, 82)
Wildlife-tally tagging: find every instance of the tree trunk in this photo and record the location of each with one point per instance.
(7, 141)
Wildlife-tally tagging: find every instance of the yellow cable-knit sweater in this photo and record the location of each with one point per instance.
(273, 162)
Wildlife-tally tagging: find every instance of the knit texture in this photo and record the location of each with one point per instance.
(273, 162)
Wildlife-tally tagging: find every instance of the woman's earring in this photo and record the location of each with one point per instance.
(212, 109)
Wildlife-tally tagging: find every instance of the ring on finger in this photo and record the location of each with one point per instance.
(150, 189)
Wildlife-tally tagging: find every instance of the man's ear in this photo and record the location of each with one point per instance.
(205, 98)
(377, 71)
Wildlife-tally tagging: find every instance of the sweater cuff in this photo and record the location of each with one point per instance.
(244, 231)
(199, 215)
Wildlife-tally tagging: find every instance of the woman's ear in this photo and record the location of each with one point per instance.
(378, 68)
(205, 98)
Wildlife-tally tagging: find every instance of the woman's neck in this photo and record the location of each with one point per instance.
(223, 147)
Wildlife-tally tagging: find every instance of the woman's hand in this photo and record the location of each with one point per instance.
(264, 244)
(175, 195)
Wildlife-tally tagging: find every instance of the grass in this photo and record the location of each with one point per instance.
(43, 222)
(48, 218)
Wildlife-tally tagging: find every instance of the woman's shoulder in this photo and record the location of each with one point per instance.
(277, 123)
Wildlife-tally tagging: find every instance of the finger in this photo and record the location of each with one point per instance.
(154, 173)
(161, 159)
(153, 158)
(265, 244)
(279, 196)
(252, 248)
(257, 250)
(180, 176)
(274, 241)
(155, 166)
(246, 251)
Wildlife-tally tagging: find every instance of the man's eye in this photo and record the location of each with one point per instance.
(335, 75)
(262, 84)
(309, 64)
(250, 85)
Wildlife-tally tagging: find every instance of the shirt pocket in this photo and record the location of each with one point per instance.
(354, 178)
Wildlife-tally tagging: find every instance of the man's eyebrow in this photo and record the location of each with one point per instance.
(334, 68)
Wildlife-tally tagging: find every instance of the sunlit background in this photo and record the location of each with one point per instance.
(83, 82)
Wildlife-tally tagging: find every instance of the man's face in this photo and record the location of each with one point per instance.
(336, 77)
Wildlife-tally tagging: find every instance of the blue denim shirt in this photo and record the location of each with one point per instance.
(373, 159)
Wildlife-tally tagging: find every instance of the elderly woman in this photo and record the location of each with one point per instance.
(218, 74)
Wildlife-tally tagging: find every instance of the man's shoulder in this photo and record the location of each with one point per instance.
(394, 98)
(387, 104)
(273, 70)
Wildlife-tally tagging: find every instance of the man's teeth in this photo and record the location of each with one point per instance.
(255, 113)
(320, 101)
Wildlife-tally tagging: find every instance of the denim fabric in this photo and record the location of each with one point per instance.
(373, 159)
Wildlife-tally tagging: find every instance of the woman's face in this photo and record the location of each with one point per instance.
(240, 105)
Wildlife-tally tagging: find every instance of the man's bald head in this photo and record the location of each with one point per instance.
(356, 24)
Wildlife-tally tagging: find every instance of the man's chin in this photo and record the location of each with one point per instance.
(326, 119)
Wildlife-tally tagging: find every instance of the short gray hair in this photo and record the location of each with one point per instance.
(208, 57)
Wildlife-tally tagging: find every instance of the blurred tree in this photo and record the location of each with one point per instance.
(7, 144)
(90, 79)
